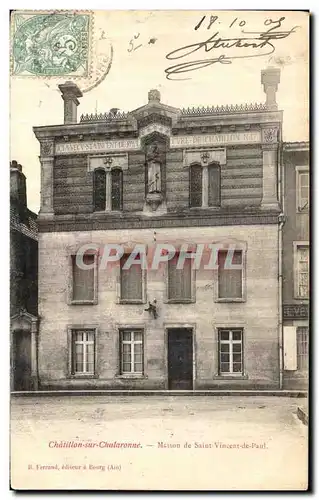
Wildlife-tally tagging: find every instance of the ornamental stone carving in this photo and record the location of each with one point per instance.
(269, 135)
(204, 157)
(47, 148)
(108, 162)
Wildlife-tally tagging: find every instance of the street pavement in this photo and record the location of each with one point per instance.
(158, 443)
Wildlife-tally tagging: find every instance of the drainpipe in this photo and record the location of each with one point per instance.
(281, 221)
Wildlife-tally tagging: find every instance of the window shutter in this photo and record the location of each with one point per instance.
(99, 189)
(196, 186)
(83, 280)
(214, 185)
(229, 280)
(179, 280)
(131, 281)
(116, 193)
(290, 348)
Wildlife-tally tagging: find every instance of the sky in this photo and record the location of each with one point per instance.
(141, 41)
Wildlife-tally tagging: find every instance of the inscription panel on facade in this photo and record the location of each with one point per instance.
(191, 141)
(97, 146)
(214, 139)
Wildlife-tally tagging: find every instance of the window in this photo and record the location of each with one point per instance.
(131, 281)
(107, 195)
(83, 280)
(131, 352)
(214, 185)
(83, 352)
(302, 348)
(302, 271)
(196, 186)
(205, 185)
(99, 188)
(116, 190)
(230, 281)
(302, 189)
(179, 280)
(230, 351)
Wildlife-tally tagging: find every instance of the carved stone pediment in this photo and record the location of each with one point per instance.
(108, 161)
(203, 156)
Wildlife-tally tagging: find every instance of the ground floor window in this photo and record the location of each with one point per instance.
(302, 347)
(230, 342)
(131, 351)
(83, 349)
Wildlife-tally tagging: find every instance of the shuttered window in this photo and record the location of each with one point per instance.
(214, 185)
(230, 280)
(99, 188)
(179, 280)
(303, 191)
(195, 186)
(131, 281)
(117, 189)
(83, 280)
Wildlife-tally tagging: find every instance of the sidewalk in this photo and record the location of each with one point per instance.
(99, 392)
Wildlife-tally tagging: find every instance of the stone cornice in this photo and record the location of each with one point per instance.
(87, 223)
(129, 127)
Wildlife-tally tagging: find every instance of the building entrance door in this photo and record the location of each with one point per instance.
(22, 361)
(180, 358)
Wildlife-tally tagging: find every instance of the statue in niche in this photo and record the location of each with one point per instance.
(153, 169)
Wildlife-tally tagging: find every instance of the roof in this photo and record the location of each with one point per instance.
(28, 227)
(296, 146)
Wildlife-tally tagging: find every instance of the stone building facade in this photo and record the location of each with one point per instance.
(295, 269)
(159, 175)
(23, 283)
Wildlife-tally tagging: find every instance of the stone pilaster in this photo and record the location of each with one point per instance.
(270, 168)
(205, 186)
(34, 355)
(47, 164)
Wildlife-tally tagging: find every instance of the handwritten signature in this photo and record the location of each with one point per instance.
(251, 40)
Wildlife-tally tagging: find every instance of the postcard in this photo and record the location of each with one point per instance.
(159, 250)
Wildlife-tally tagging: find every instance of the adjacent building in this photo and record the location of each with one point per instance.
(23, 283)
(160, 175)
(295, 268)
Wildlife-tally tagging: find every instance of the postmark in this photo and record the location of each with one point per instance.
(51, 43)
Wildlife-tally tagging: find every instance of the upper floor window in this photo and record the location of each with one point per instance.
(131, 280)
(301, 270)
(83, 280)
(302, 189)
(230, 275)
(107, 193)
(205, 185)
(179, 280)
(116, 189)
(99, 187)
(196, 190)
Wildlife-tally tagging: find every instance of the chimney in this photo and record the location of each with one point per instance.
(70, 92)
(18, 189)
(270, 78)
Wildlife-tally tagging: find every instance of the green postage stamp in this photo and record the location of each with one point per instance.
(51, 44)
